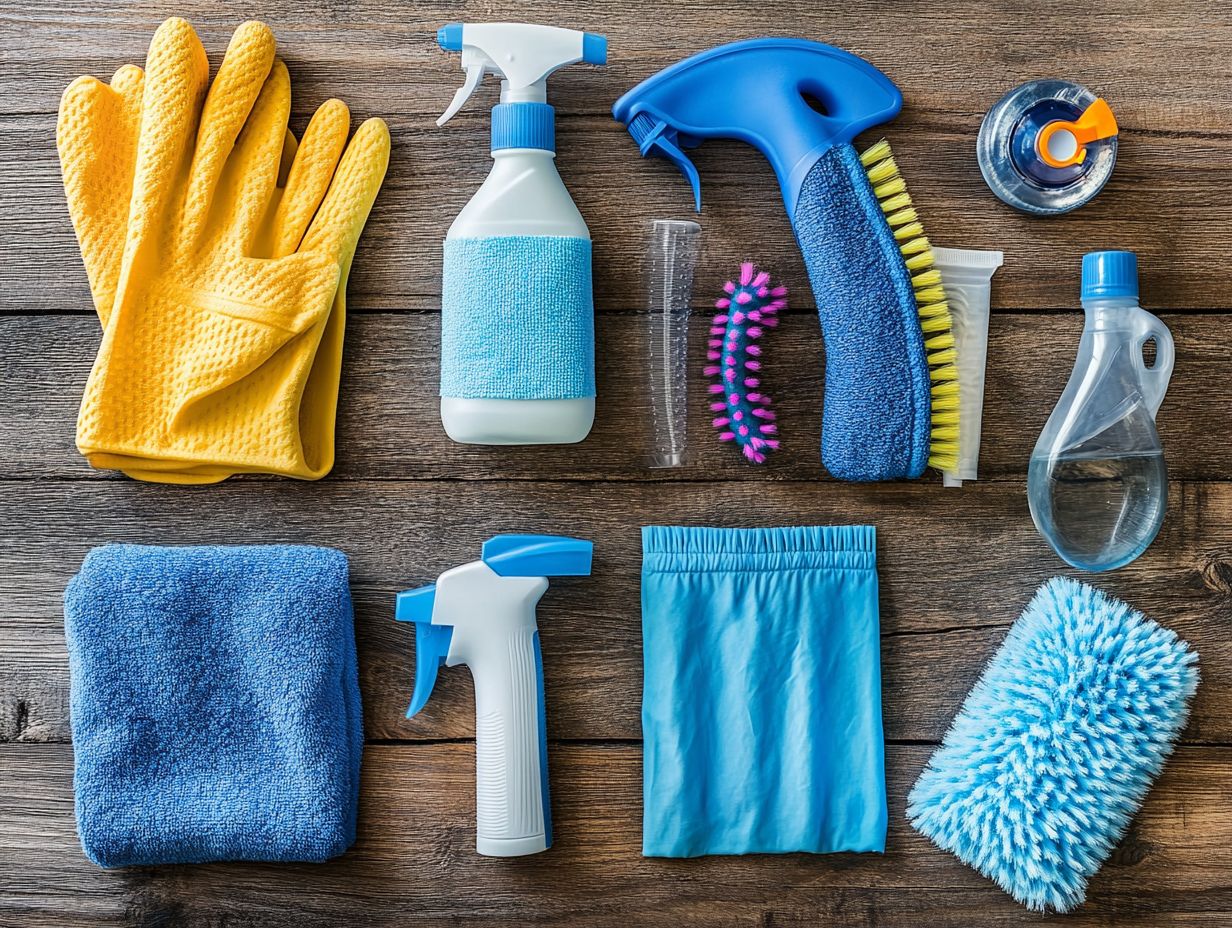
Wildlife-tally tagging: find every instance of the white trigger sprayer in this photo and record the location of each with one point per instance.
(517, 260)
(523, 55)
(482, 614)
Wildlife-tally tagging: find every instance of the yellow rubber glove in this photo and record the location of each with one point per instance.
(223, 317)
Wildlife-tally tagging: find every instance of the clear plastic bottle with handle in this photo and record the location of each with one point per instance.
(1097, 484)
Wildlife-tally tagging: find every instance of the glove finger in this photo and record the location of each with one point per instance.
(236, 87)
(128, 83)
(96, 136)
(289, 147)
(338, 223)
(310, 175)
(251, 174)
(175, 78)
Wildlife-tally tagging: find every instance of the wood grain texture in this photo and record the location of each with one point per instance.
(943, 610)
(389, 424)
(414, 861)
(404, 503)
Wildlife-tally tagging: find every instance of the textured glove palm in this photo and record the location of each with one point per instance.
(217, 251)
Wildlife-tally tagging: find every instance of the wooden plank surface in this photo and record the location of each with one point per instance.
(413, 860)
(390, 389)
(405, 503)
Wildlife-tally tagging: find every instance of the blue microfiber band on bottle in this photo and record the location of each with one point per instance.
(517, 318)
(878, 415)
(761, 708)
(214, 704)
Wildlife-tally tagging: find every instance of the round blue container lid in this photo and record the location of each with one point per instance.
(1109, 274)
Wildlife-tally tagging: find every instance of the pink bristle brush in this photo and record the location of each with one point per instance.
(734, 357)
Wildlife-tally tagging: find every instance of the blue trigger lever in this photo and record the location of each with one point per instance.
(792, 99)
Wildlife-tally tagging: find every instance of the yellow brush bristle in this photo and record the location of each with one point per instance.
(934, 312)
(896, 203)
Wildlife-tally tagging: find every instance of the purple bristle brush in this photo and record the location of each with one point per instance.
(734, 358)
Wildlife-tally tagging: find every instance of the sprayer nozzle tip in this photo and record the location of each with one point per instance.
(594, 48)
(449, 37)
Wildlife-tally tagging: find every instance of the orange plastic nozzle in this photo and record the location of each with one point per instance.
(1062, 143)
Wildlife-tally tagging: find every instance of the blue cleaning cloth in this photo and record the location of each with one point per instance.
(1057, 744)
(214, 704)
(517, 318)
(877, 420)
(761, 709)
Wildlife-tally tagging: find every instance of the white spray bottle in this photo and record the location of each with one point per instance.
(517, 313)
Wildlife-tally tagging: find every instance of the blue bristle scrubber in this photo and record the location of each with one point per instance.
(884, 316)
(1057, 744)
(734, 359)
(891, 401)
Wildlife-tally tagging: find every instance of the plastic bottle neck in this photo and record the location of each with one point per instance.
(535, 93)
(508, 155)
(1105, 313)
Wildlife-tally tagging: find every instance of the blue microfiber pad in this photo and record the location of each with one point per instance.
(877, 418)
(1057, 744)
(761, 707)
(517, 318)
(215, 704)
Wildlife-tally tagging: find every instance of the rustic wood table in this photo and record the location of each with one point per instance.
(404, 503)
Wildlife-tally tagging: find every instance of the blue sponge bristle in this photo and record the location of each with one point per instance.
(1057, 744)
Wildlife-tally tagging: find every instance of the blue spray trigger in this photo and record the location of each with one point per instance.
(431, 641)
(792, 99)
(538, 556)
(657, 137)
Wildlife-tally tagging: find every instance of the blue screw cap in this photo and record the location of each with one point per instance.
(1109, 274)
(523, 125)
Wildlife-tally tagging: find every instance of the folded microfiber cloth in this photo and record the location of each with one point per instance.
(215, 704)
(1057, 744)
(761, 703)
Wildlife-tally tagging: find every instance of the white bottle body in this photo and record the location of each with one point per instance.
(522, 195)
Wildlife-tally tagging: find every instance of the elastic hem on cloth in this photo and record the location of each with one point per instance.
(678, 548)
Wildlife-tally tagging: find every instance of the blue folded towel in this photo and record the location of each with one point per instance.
(215, 704)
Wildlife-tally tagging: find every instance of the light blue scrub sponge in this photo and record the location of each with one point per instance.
(1057, 744)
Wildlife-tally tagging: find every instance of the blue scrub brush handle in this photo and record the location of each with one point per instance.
(801, 104)
(790, 98)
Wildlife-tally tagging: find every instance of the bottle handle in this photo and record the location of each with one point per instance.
(1154, 379)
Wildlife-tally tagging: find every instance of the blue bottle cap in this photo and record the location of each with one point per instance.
(523, 125)
(1109, 274)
